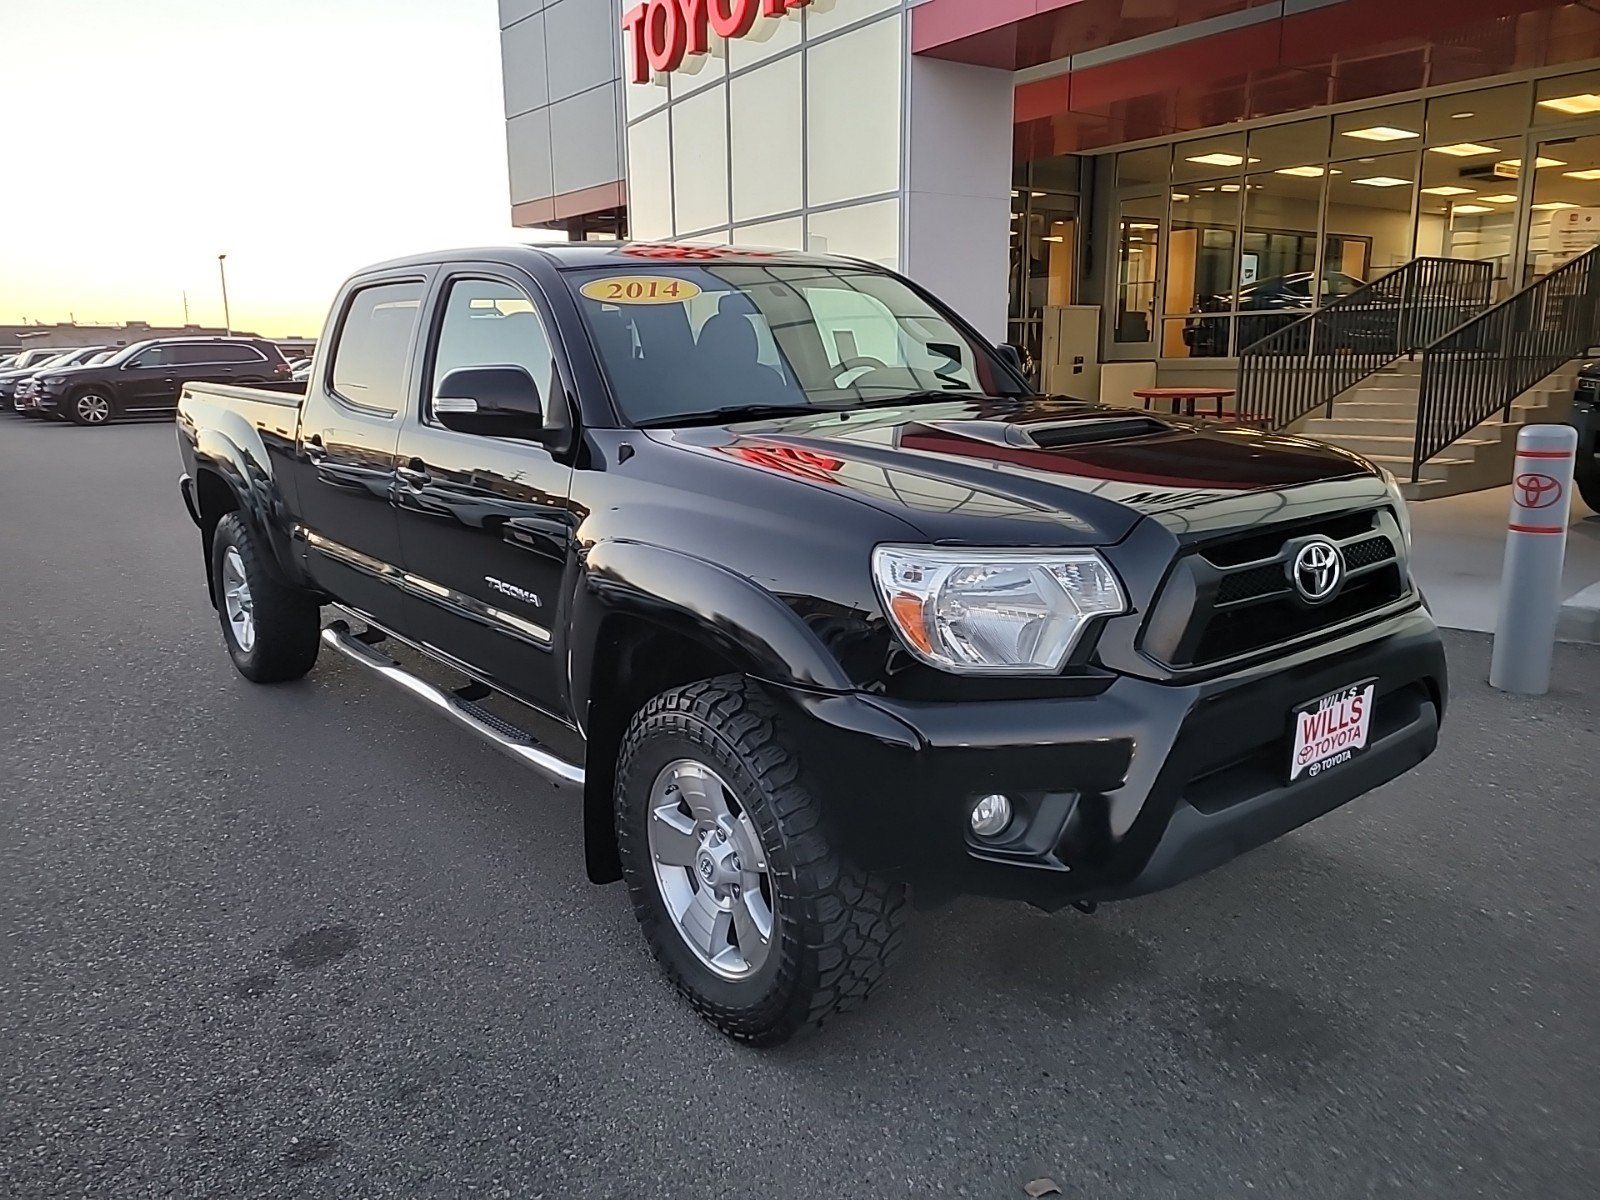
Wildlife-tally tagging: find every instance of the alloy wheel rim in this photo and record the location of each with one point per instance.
(711, 869)
(93, 408)
(237, 603)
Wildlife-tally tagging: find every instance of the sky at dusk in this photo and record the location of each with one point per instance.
(304, 138)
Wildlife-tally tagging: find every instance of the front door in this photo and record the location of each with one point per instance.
(147, 378)
(485, 526)
(349, 428)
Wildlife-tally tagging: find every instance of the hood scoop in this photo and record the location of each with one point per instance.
(1053, 435)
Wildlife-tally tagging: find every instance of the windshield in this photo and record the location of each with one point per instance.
(681, 342)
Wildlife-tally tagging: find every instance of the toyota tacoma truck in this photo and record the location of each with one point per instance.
(811, 602)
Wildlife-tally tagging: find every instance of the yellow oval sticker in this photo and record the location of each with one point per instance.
(641, 289)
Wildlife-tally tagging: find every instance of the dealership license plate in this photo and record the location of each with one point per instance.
(1331, 731)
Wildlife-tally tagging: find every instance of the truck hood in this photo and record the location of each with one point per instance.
(1042, 471)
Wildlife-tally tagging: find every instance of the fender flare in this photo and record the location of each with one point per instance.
(684, 594)
(256, 494)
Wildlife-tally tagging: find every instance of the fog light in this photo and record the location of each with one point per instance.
(990, 816)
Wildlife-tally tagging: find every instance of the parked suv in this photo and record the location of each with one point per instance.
(21, 388)
(147, 377)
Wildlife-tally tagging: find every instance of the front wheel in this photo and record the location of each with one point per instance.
(271, 629)
(92, 407)
(743, 897)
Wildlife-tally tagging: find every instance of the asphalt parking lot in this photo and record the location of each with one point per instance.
(311, 940)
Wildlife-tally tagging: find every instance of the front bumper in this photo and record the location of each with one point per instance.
(1119, 794)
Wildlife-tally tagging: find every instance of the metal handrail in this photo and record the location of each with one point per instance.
(1307, 364)
(1483, 365)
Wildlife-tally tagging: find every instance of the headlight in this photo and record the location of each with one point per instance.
(52, 380)
(1402, 511)
(996, 612)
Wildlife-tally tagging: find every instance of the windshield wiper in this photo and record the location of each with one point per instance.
(734, 412)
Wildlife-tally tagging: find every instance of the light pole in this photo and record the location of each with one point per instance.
(222, 269)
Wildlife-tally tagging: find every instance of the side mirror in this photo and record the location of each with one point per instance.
(493, 401)
(1014, 357)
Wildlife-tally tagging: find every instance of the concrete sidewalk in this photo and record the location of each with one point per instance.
(1459, 546)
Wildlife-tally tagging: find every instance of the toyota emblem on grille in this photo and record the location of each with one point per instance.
(1317, 570)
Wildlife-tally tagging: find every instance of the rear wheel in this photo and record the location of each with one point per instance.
(743, 897)
(91, 407)
(271, 629)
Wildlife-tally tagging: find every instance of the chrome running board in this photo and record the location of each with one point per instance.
(460, 709)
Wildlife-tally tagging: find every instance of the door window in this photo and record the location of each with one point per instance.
(155, 356)
(488, 323)
(369, 358)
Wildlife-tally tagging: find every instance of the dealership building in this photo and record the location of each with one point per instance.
(1134, 190)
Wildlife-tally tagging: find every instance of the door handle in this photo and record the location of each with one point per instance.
(414, 473)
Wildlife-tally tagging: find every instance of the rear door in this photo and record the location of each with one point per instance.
(485, 525)
(217, 362)
(345, 456)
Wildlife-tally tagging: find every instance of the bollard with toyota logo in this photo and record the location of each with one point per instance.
(1536, 545)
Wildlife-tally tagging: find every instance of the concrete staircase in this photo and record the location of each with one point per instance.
(1378, 417)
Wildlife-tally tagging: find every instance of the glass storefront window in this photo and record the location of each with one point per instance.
(1044, 245)
(1278, 252)
(1573, 184)
(1299, 147)
(1567, 98)
(1474, 117)
(1466, 210)
(1138, 253)
(1377, 130)
(1144, 166)
(1368, 224)
(1200, 269)
(1208, 158)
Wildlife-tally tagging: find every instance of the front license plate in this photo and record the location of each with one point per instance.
(1331, 731)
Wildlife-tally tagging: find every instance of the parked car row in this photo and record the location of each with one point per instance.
(91, 385)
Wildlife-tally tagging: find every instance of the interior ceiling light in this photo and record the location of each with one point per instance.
(1506, 199)
(1382, 181)
(1461, 116)
(1583, 102)
(1139, 225)
(1220, 160)
(1307, 172)
(1511, 166)
(1468, 209)
(1179, 197)
(1053, 239)
(1586, 175)
(1229, 187)
(1552, 205)
(1447, 190)
(1463, 150)
(1381, 133)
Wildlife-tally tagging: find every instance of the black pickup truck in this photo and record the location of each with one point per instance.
(819, 608)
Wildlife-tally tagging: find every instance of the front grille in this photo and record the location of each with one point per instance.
(1235, 597)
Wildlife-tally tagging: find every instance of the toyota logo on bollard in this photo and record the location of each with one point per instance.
(1317, 571)
(1536, 490)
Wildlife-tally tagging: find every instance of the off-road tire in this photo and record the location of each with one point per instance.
(288, 624)
(837, 926)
